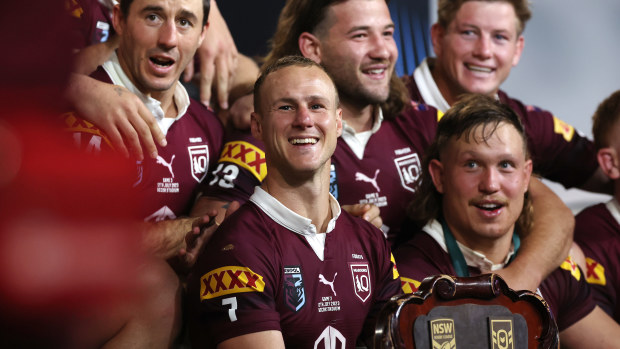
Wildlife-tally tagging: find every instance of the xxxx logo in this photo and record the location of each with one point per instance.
(409, 285)
(595, 273)
(571, 266)
(560, 127)
(246, 155)
(229, 280)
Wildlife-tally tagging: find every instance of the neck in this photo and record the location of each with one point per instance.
(495, 249)
(444, 85)
(308, 198)
(360, 117)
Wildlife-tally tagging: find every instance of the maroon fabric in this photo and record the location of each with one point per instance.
(598, 234)
(355, 252)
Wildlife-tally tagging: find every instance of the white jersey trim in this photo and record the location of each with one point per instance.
(294, 222)
(181, 98)
(614, 208)
(428, 88)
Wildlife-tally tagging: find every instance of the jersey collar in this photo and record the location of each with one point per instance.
(357, 141)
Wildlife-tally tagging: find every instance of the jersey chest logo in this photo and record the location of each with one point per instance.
(199, 161)
(294, 291)
(360, 273)
(409, 170)
(331, 338)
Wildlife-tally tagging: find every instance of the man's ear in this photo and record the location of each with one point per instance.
(435, 168)
(609, 162)
(255, 126)
(203, 34)
(520, 45)
(527, 173)
(117, 19)
(310, 46)
(437, 33)
(339, 121)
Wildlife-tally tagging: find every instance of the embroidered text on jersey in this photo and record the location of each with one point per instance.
(228, 280)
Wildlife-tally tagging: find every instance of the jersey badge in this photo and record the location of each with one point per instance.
(570, 265)
(294, 291)
(409, 170)
(360, 274)
(331, 338)
(409, 285)
(333, 181)
(199, 161)
(560, 127)
(501, 333)
(595, 273)
(229, 280)
(246, 155)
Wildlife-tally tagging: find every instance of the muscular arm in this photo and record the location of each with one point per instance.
(546, 245)
(265, 339)
(595, 330)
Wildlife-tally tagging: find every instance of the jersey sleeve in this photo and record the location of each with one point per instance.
(240, 168)
(568, 294)
(558, 151)
(234, 285)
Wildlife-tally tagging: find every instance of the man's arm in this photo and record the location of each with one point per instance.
(265, 339)
(546, 245)
(595, 330)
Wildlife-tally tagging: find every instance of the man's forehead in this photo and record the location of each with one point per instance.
(193, 6)
(358, 13)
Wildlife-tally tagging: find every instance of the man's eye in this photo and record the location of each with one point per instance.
(471, 164)
(185, 23)
(285, 107)
(316, 106)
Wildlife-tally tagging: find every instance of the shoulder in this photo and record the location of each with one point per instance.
(204, 114)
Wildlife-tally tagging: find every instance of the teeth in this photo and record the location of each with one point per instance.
(489, 206)
(161, 62)
(478, 68)
(376, 71)
(303, 141)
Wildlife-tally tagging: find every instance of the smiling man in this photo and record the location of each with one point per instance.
(477, 43)
(473, 206)
(289, 268)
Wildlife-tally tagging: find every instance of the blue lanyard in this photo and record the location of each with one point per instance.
(456, 256)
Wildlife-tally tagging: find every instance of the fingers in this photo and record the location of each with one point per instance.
(222, 81)
(240, 112)
(188, 73)
(207, 67)
(232, 207)
(367, 212)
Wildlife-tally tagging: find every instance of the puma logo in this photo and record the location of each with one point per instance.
(163, 162)
(362, 177)
(323, 280)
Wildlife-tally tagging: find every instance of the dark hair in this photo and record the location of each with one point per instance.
(206, 6)
(462, 120)
(447, 9)
(299, 16)
(603, 120)
(286, 61)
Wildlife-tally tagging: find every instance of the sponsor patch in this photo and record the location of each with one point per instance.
(409, 170)
(246, 155)
(394, 270)
(361, 280)
(74, 8)
(199, 161)
(595, 273)
(75, 124)
(228, 280)
(571, 266)
(501, 333)
(294, 291)
(409, 285)
(442, 333)
(564, 129)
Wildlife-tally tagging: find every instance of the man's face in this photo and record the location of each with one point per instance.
(298, 120)
(158, 38)
(479, 48)
(483, 184)
(359, 51)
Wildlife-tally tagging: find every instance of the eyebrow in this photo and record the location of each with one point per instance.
(366, 27)
(184, 13)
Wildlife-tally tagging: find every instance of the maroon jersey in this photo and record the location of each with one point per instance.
(92, 22)
(240, 168)
(597, 231)
(166, 185)
(565, 290)
(386, 174)
(558, 152)
(257, 275)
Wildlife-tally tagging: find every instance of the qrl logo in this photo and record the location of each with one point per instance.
(361, 281)
(199, 160)
(331, 338)
(409, 170)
